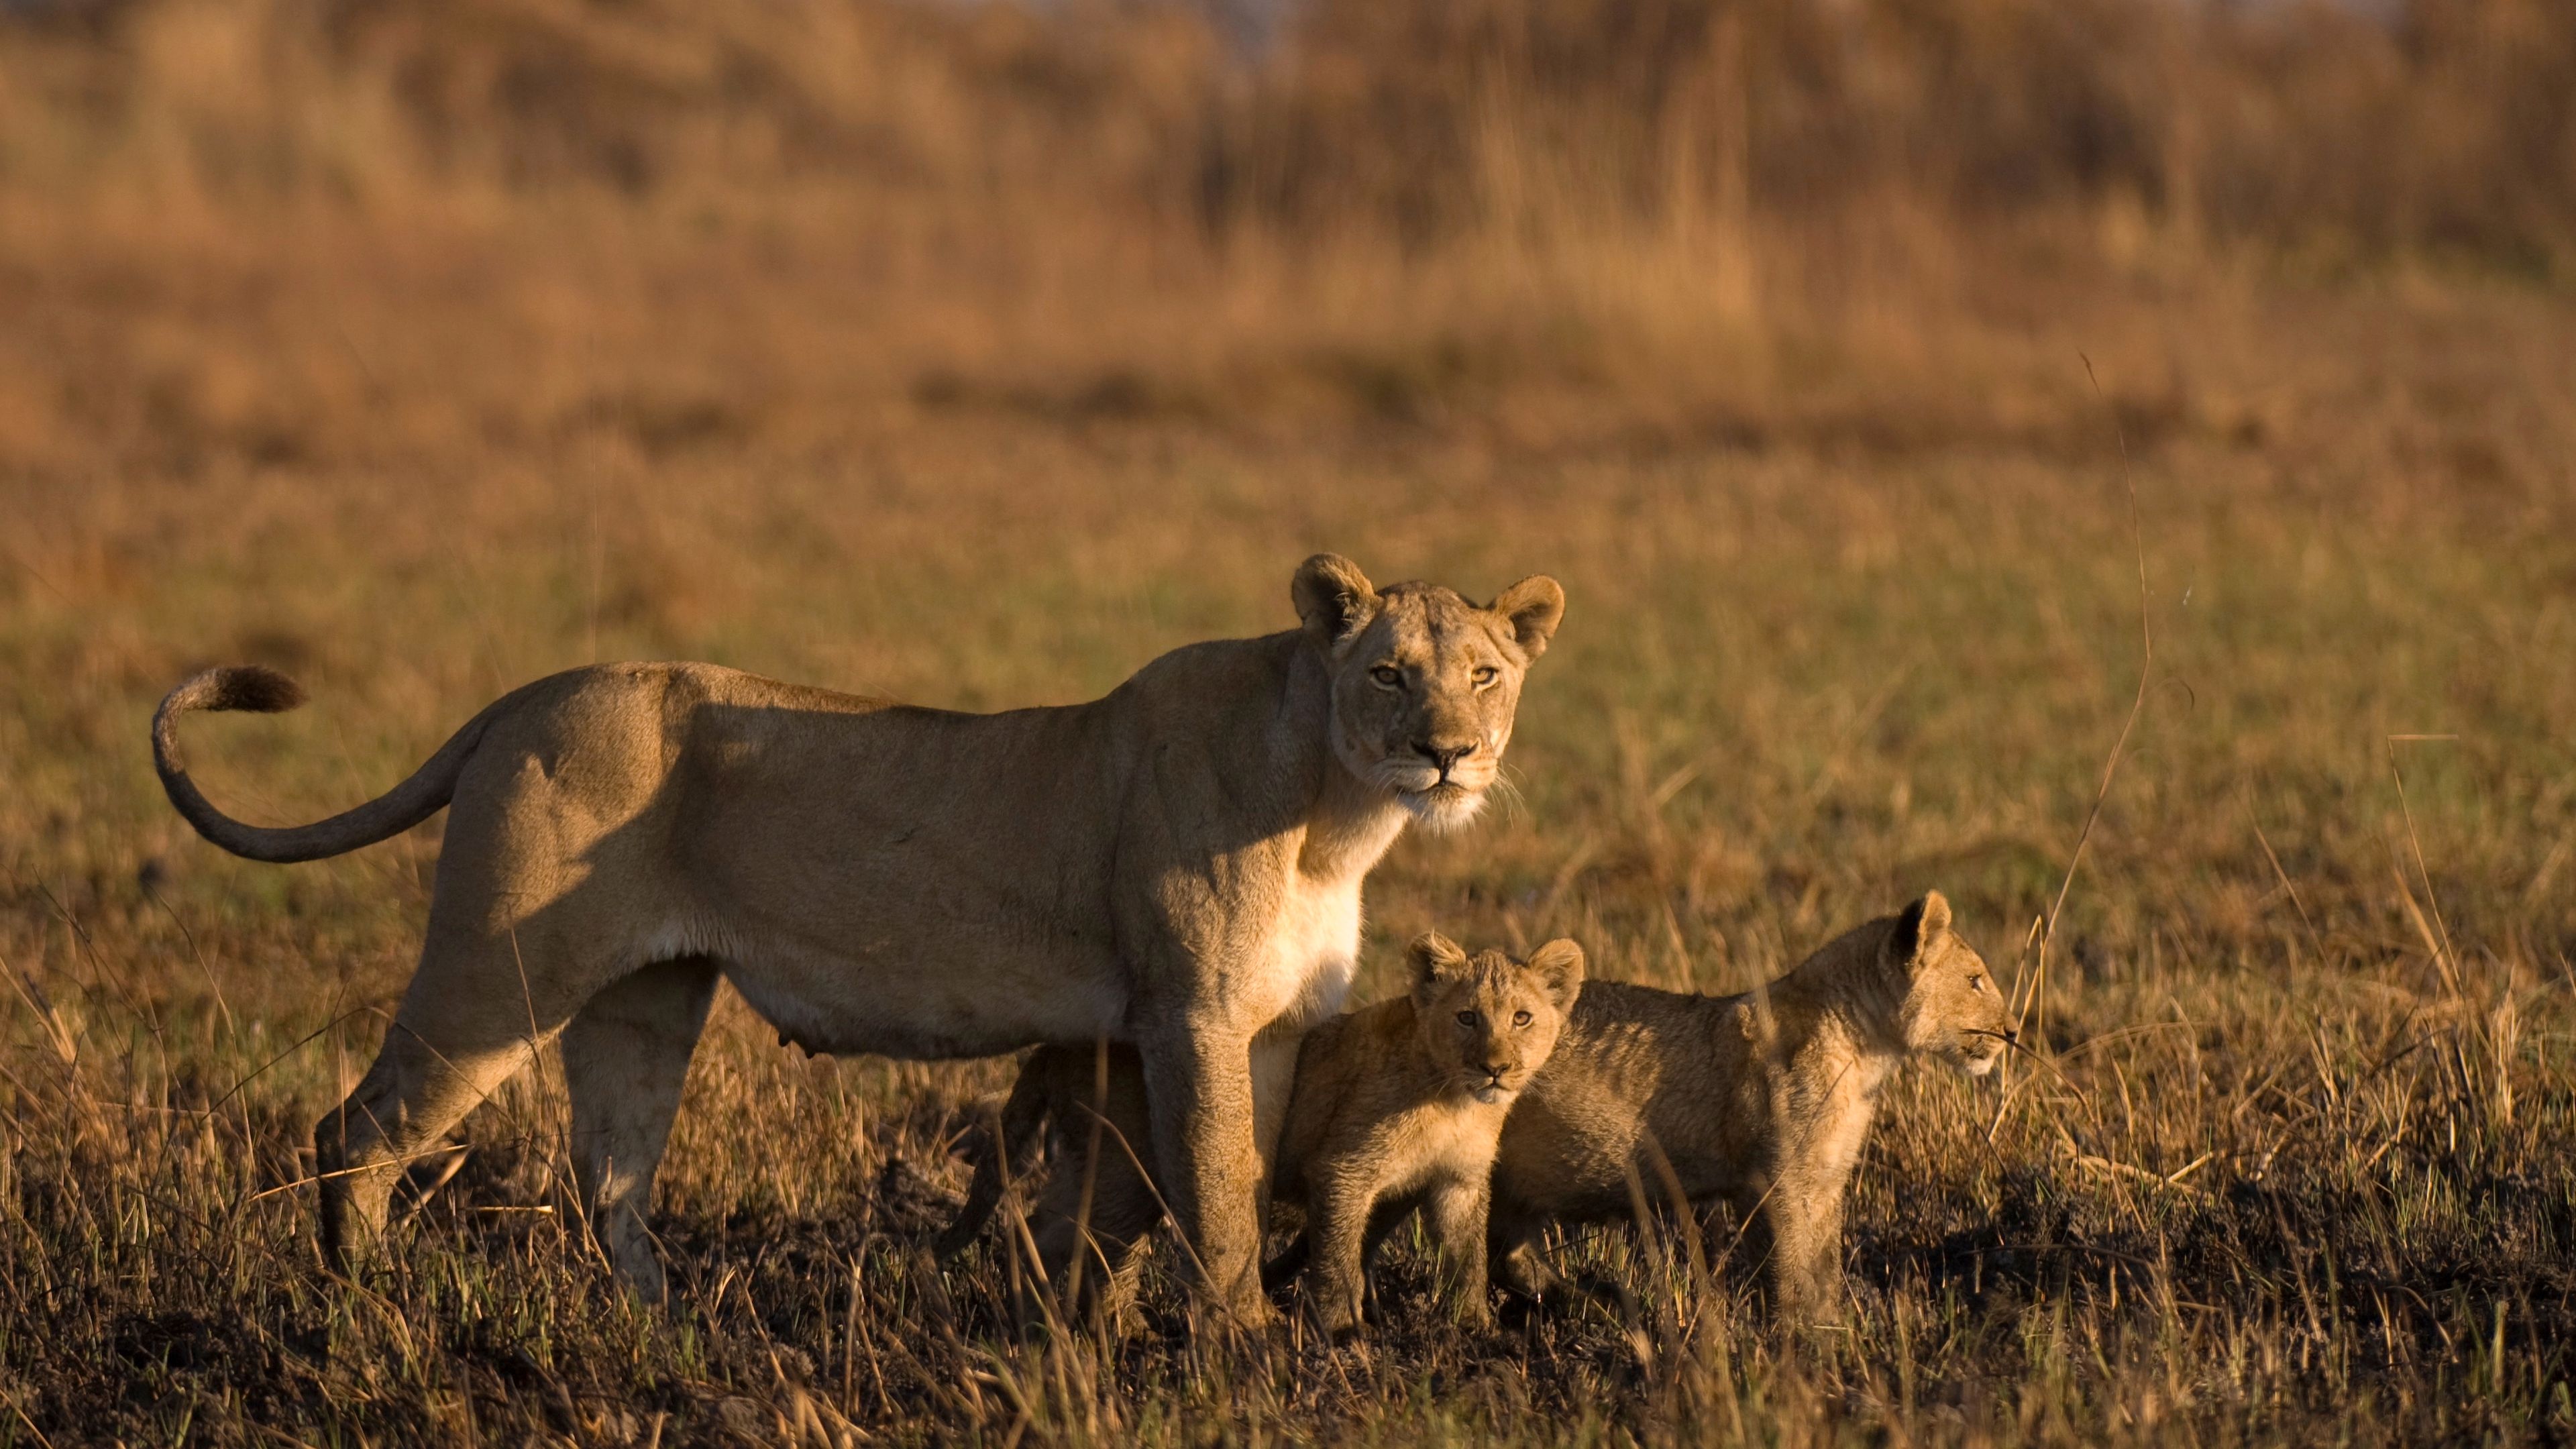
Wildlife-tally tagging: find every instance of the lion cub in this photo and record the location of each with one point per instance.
(1395, 1106)
(1761, 1100)
(1399, 1105)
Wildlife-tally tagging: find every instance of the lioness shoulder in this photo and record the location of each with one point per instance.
(1762, 1100)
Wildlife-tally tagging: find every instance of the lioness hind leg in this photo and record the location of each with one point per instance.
(625, 1058)
(419, 1088)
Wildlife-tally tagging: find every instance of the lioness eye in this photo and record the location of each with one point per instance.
(1520, 1018)
(1466, 1018)
(1387, 675)
(1486, 675)
(1976, 983)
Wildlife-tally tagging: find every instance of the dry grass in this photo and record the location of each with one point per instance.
(911, 351)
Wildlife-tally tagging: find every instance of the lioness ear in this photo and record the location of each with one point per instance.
(1435, 958)
(1920, 924)
(1334, 599)
(1559, 968)
(1534, 606)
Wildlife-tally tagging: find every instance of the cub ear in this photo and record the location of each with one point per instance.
(1334, 599)
(1919, 925)
(1559, 968)
(1435, 958)
(1534, 607)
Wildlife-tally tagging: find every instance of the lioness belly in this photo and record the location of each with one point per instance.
(847, 1008)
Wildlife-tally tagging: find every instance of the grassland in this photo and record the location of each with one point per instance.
(1855, 609)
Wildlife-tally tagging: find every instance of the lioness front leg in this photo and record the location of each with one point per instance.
(1198, 1088)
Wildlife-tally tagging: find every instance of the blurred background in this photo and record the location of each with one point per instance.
(974, 352)
(279, 234)
(1881, 377)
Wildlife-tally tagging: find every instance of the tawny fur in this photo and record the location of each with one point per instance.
(1761, 1100)
(1398, 1106)
(1176, 866)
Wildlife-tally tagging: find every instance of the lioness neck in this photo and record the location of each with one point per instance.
(1349, 824)
(1350, 827)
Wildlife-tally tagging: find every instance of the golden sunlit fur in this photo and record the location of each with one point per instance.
(1395, 1106)
(1398, 1106)
(1762, 1100)
(1176, 866)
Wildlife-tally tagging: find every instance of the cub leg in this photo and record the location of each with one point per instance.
(1512, 1257)
(625, 1059)
(1337, 1276)
(1285, 1269)
(1806, 1251)
(1456, 1214)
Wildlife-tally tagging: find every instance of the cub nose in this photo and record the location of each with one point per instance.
(2011, 1036)
(1443, 756)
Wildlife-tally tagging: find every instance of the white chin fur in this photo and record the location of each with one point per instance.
(1443, 809)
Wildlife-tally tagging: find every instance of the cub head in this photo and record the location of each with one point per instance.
(1424, 682)
(1488, 1019)
(1950, 1003)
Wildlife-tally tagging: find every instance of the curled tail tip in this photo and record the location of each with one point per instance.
(252, 687)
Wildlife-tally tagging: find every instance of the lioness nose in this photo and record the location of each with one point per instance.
(2011, 1036)
(1444, 756)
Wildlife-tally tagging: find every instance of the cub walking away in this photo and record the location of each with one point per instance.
(1760, 1100)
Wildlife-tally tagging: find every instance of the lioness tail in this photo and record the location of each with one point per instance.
(265, 691)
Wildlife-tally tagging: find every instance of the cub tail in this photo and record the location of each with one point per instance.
(1011, 1145)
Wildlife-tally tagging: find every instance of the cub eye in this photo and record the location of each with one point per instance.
(1976, 983)
(1486, 675)
(1520, 1018)
(1466, 1018)
(1387, 675)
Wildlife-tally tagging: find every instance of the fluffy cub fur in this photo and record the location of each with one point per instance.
(1398, 1106)
(1762, 1100)
(1395, 1106)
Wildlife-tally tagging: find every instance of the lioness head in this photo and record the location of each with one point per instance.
(1424, 682)
(1489, 1018)
(1951, 1004)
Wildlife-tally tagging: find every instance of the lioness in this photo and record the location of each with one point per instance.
(1396, 1106)
(1762, 1100)
(1176, 865)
